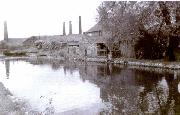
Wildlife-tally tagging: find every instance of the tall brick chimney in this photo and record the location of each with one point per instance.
(5, 31)
(64, 29)
(70, 27)
(80, 28)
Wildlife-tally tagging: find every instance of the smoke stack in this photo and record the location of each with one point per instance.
(64, 29)
(70, 27)
(5, 31)
(80, 28)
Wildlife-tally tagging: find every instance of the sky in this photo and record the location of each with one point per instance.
(26, 18)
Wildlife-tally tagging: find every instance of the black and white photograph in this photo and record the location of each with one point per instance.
(89, 57)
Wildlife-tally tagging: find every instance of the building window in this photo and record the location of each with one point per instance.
(74, 50)
(101, 49)
(100, 33)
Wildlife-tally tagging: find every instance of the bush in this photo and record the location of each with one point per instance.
(14, 54)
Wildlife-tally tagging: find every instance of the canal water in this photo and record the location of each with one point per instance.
(91, 88)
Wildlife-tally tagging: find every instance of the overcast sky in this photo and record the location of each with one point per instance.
(45, 17)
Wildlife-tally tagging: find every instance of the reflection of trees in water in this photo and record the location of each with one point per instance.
(107, 70)
(55, 64)
(131, 91)
(174, 95)
(126, 90)
(70, 68)
(119, 94)
(116, 87)
(155, 97)
(147, 98)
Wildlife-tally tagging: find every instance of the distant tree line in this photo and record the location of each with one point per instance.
(153, 26)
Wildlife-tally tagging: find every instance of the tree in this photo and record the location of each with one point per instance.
(160, 26)
(118, 20)
(134, 22)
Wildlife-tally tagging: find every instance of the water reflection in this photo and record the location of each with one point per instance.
(7, 66)
(100, 88)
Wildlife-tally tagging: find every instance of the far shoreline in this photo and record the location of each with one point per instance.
(122, 61)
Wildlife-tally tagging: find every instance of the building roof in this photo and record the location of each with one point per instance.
(95, 28)
(92, 39)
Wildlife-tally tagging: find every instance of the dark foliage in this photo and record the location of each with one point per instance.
(173, 45)
(148, 46)
(149, 26)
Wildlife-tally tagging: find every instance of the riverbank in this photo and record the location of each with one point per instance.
(149, 63)
(123, 61)
(8, 104)
(78, 63)
(140, 63)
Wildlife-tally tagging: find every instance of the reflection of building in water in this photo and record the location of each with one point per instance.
(7, 67)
